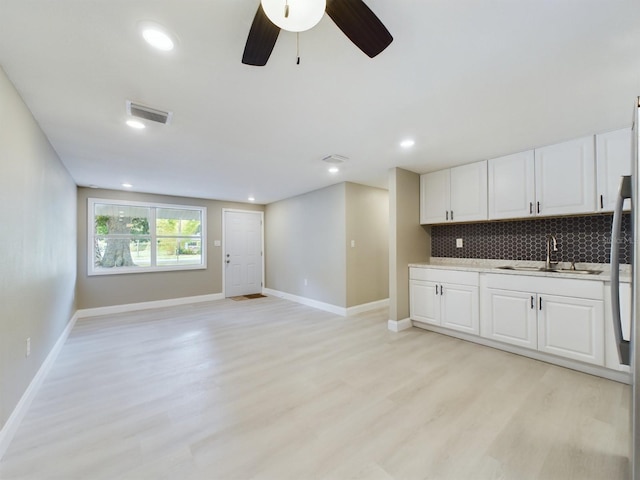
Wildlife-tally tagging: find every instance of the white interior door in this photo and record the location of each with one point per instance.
(243, 253)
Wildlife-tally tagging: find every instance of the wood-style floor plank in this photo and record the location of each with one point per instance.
(269, 389)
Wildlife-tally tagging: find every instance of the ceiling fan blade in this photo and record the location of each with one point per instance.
(262, 37)
(360, 24)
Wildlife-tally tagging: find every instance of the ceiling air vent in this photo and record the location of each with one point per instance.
(335, 159)
(148, 113)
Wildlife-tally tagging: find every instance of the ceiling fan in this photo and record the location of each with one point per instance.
(353, 17)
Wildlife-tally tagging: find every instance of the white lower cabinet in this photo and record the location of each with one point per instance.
(459, 307)
(424, 301)
(510, 317)
(571, 327)
(563, 317)
(557, 316)
(445, 298)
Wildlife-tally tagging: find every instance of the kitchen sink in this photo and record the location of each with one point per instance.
(583, 271)
(524, 269)
(579, 271)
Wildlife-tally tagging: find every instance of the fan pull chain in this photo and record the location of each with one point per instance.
(286, 9)
(298, 47)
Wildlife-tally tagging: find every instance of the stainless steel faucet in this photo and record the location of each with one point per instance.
(552, 246)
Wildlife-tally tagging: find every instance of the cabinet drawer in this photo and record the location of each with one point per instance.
(444, 276)
(592, 289)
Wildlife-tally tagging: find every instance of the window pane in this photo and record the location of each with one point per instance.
(179, 251)
(122, 241)
(114, 252)
(172, 221)
(120, 220)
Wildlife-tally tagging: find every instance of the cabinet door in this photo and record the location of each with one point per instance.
(571, 327)
(460, 308)
(613, 159)
(434, 197)
(512, 186)
(424, 301)
(565, 178)
(510, 317)
(469, 192)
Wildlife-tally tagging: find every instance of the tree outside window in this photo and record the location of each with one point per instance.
(131, 236)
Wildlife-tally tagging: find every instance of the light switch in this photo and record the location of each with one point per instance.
(458, 243)
(353, 244)
(216, 243)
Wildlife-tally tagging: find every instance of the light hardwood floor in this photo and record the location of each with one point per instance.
(268, 389)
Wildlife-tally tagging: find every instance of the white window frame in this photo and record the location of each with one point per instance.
(91, 270)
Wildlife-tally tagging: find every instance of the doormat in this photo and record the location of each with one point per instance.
(247, 297)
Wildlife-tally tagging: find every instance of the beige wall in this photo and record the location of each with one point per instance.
(367, 218)
(304, 239)
(309, 237)
(408, 241)
(107, 290)
(37, 247)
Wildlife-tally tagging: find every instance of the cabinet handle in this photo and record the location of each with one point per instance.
(447, 214)
(532, 305)
(441, 291)
(530, 208)
(540, 303)
(436, 289)
(601, 202)
(451, 214)
(538, 206)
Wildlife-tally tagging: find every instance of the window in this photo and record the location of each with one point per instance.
(131, 237)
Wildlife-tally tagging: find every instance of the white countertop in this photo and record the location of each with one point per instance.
(491, 266)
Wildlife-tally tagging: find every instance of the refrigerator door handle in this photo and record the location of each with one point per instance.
(623, 345)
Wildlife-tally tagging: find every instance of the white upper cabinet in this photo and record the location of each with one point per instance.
(613, 159)
(457, 194)
(434, 197)
(512, 186)
(469, 192)
(565, 178)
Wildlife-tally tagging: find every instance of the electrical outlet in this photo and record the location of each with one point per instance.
(458, 243)
(28, 346)
(305, 282)
(353, 244)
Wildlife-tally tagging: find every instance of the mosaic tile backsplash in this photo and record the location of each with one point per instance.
(580, 239)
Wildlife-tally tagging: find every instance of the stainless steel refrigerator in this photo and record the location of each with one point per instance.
(628, 347)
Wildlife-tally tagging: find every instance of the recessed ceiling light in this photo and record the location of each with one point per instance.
(334, 169)
(408, 143)
(93, 186)
(127, 185)
(135, 124)
(251, 199)
(157, 36)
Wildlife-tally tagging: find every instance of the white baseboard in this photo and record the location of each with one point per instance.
(365, 307)
(132, 307)
(327, 307)
(399, 325)
(622, 377)
(11, 426)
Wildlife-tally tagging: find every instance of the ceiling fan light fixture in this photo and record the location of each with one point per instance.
(294, 15)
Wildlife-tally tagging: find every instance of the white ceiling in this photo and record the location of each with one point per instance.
(468, 80)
